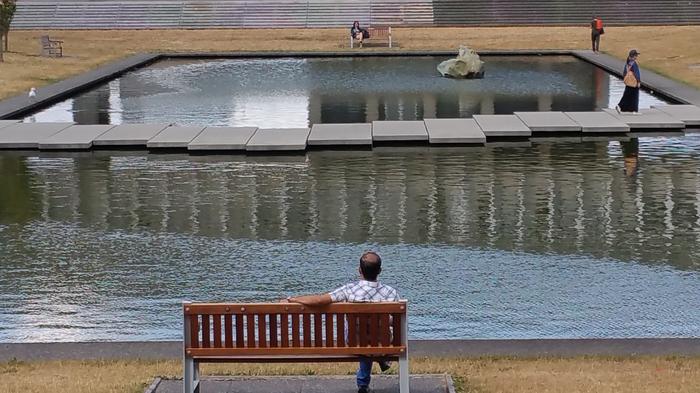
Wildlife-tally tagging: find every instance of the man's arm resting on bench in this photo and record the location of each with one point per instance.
(312, 300)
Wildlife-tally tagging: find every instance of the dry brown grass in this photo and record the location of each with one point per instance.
(669, 50)
(487, 375)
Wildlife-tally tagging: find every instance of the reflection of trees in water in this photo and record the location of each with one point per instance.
(564, 199)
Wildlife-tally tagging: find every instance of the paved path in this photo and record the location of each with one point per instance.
(679, 91)
(51, 93)
(436, 348)
(316, 384)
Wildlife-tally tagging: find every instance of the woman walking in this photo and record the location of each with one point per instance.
(633, 80)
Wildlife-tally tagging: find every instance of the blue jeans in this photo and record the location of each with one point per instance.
(364, 373)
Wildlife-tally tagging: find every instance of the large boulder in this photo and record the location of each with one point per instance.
(466, 65)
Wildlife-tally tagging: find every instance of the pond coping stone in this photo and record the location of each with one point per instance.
(688, 114)
(222, 138)
(340, 134)
(77, 137)
(647, 118)
(129, 135)
(28, 135)
(174, 137)
(278, 139)
(592, 122)
(548, 122)
(502, 125)
(399, 131)
(454, 131)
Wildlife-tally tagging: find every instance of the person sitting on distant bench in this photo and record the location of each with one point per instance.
(358, 33)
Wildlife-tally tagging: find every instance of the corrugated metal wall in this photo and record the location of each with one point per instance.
(143, 14)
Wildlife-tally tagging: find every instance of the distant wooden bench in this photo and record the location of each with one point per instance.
(382, 33)
(51, 48)
(289, 332)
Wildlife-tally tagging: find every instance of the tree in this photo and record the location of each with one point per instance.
(7, 12)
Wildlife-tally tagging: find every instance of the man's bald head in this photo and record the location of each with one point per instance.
(370, 265)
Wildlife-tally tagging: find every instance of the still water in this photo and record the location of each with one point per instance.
(550, 240)
(301, 92)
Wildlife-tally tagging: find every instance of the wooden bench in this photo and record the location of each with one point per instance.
(289, 332)
(381, 32)
(51, 48)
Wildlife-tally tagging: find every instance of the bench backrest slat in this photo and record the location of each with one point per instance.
(267, 329)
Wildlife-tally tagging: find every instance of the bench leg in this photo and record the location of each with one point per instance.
(403, 373)
(190, 377)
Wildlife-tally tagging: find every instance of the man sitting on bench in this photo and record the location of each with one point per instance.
(368, 289)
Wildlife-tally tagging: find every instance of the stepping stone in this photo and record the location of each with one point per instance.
(399, 131)
(28, 135)
(647, 118)
(129, 135)
(5, 123)
(454, 131)
(222, 138)
(174, 137)
(340, 134)
(548, 122)
(502, 125)
(688, 114)
(74, 137)
(598, 122)
(278, 139)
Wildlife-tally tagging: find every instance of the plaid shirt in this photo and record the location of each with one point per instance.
(365, 292)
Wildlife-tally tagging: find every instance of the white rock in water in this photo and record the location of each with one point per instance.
(466, 65)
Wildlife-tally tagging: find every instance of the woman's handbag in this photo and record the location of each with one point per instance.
(630, 80)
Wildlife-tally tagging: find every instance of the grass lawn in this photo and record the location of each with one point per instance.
(485, 375)
(670, 50)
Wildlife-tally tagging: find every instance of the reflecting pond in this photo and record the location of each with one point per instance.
(298, 92)
(592, 239)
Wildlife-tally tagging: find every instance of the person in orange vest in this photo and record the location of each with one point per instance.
(596, 31)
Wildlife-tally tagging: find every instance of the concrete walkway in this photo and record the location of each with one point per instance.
(433, 348)
(435, 383)
(651, 80)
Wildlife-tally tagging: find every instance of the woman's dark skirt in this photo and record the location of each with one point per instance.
(630, 100)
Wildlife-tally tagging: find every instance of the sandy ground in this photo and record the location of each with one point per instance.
(670, 50)
(485, 375)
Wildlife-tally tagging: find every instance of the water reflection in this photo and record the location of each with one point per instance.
(302, 92)
(553, 240)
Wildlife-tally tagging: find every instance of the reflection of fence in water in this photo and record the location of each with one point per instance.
(507, 199)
